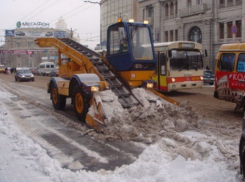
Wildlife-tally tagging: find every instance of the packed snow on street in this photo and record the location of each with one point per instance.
(179, 150)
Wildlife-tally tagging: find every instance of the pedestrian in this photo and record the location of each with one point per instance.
(12, 70)
(6, 70)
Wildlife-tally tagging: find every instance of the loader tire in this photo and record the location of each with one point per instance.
(59, 101)
(81, 103)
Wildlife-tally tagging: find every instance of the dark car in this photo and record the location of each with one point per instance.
(24, 75)
(208, 77)
(20, 33)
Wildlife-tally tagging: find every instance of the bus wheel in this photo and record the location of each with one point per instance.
(59, 101)
(81, 103)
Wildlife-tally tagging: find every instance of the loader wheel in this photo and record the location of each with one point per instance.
(81, 103)
(59, 101)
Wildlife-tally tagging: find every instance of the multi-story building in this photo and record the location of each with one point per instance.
(110, 10)
(20, 49)
(209, 22)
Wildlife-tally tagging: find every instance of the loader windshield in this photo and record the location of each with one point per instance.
(141, 43)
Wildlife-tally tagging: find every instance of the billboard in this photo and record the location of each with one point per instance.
(59, 34)
(39, 33)
(9, 33)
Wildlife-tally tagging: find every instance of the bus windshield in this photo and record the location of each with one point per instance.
(141, 43)
(186, 60)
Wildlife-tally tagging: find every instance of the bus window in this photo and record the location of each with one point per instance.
(241, 63)
(162, 60)
(186, 59)
(227, 62)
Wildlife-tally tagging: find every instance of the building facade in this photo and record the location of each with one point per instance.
(20, 49)
(209, 22)
(110, 10)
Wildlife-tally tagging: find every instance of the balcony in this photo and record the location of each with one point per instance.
(193, 10)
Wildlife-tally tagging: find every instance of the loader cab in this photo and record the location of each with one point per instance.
(130, 47)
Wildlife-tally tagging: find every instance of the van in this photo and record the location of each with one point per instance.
(46, 68)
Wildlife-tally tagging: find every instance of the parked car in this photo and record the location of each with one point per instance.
(34, 70)
(49, 34)
(208, 77)
(24, 74)
(45, 68)
(20, 33)
(54, 72)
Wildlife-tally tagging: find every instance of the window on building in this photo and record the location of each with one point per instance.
(229, 2)
(195, 35)
(189, 3)
(221, 30)
(166, 11)
(222, 2)
(176, 35)
(229, 30)
(157, 35)
(171, 9)
(30, 44)
(18, 44)
(238, 26)
(171, 35)
(176, 8)
(150, 11)
(166, 36)
(199, 1)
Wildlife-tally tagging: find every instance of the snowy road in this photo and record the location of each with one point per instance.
(38, 144)
(53, 131)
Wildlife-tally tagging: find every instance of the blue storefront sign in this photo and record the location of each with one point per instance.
(9, 33)
(59, 34)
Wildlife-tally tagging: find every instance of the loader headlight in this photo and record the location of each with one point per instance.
(173, 80)
(92, 87)
(149, 85)
(95, 88)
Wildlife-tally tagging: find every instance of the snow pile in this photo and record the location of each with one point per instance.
(145, 123)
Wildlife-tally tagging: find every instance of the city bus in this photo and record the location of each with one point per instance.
(179, 65)
(230, 74)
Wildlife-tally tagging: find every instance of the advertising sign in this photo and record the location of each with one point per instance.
(33, 33)
(20, 24)
(59, 34)
(9, 33)
(234, 29)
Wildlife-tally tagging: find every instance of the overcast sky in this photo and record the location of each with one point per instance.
(82, 17)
